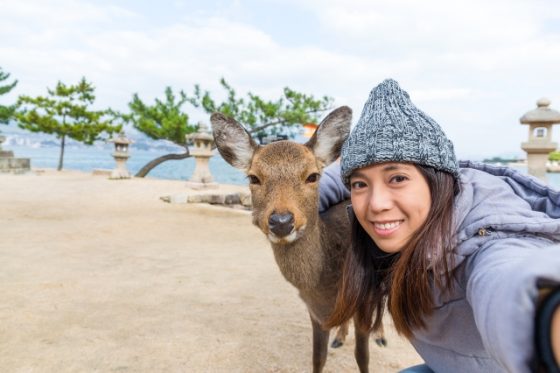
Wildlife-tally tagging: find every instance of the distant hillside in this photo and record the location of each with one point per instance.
(17, 137)
(503, 160)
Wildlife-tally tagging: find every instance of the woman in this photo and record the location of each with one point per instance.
(464, 257)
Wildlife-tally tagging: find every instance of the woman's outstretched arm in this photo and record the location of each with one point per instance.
(502, 290)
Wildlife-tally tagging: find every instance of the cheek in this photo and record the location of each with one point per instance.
(423, 205)
(359, 205)
(421, 215)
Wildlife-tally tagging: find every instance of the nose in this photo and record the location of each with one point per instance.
(281, 224)
(380, 200)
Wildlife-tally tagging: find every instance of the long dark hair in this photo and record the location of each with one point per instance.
(372, 278)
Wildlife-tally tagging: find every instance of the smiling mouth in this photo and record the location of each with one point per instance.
(386, 228)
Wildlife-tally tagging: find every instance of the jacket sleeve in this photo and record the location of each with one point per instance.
(331, 188)
(502, 291)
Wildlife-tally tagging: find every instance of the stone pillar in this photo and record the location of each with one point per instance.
(10, 164)
(121, 155)
(539, 145)
(5, 153)
(202, 142)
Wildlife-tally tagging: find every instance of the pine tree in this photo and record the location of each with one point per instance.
(262, 117)
(166, 120)
(65, 112)
(6, 112)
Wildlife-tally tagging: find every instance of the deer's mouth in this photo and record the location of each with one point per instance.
(287, 239)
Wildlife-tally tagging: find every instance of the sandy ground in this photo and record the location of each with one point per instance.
(98, 275)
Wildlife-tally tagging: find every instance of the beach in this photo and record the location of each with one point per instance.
(101, 275)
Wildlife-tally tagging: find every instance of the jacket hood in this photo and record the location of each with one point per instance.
(495, 200)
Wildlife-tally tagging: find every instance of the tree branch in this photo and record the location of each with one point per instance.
(152, 164)
(269, 124)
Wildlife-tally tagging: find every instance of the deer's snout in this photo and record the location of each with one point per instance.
(281, 224)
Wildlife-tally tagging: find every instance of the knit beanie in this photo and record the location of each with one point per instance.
(392, 129)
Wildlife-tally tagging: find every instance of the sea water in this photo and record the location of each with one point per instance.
(86, 159)
(89, 158)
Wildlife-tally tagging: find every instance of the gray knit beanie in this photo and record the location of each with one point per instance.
(392, 129)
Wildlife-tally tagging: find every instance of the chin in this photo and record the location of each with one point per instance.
(388, 248)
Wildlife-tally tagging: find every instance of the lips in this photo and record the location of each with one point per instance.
(386, 228)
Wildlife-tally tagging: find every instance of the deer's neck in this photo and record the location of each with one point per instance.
(302, 262)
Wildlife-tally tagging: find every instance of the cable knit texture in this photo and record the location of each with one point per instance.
(392, 129)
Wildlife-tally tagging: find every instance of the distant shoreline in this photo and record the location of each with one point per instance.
(87, 159)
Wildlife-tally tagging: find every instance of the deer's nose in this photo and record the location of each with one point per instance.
(281, 224)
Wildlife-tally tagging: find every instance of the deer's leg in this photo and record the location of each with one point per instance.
(320, 346)
(361, 351)
(380, 337)
(341, 334)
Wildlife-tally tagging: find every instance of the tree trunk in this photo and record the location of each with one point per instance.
(156, 162)
(61, 159)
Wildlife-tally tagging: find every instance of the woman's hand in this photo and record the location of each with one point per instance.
(555, 335)
(548, 326)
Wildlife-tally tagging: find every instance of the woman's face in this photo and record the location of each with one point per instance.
(391, 201)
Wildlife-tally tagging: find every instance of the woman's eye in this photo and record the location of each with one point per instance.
(398, 179)
(253, 180)
(312, 178)
(357, 185)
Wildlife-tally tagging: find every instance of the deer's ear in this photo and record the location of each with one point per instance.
(234, 142)
(328, 138)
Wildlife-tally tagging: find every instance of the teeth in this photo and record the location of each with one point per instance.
(387, 226)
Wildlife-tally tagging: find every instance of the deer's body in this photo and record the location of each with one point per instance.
(312, 263)
(309, 248)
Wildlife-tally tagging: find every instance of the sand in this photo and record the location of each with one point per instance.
(100, 275)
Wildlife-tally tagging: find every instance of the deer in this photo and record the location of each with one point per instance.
(309, 248)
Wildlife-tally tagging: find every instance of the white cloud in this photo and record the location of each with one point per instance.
(447, 24)
(441, 94)
(474, 66)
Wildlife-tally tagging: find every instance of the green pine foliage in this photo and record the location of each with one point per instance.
(554, 156)
(65, 112)
(167, 119)
(6, 112)
(265, 117)
(163, 120)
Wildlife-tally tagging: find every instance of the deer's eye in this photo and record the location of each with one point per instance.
(312, 178)
(253, 180)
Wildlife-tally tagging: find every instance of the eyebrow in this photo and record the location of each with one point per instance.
(389, 167)
(392, 167)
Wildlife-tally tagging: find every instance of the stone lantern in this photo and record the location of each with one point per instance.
(202, 142)
(540, 145)
(5, 153)
(121, 155)
(10, 164)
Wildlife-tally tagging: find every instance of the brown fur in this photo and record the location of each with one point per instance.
(312, 259)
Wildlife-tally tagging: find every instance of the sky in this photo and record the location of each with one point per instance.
(475, 66)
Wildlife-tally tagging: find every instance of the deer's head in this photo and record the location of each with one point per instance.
(284, 175)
